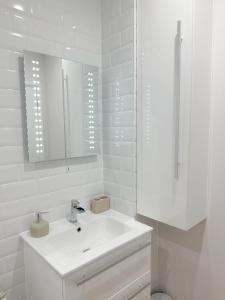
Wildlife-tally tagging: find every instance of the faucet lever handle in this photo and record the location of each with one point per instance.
(80, 210)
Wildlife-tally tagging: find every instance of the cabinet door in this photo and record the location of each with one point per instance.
(109, 283)
(164, 93)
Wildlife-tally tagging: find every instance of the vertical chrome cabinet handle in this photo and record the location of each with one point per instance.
(178, 58)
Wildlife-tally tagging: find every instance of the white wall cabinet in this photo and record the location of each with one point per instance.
(128, 279)
(173, 98)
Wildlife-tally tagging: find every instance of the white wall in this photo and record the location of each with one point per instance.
(191, 265)
(42, 26)
(119, 111)
(119, 125)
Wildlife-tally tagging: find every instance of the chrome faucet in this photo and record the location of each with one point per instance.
(75, 209)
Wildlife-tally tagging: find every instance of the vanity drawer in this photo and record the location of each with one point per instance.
(143, 295)
(113, 281)
(137, 289)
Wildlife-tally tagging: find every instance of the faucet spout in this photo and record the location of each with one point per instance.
(75, 209)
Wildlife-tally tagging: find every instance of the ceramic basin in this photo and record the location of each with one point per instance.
(67, 250)
(90, 236)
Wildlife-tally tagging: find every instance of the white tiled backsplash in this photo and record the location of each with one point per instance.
(70, 29)
(79, 30)
(119, 109)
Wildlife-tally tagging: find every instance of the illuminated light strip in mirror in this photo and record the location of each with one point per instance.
(91, 121)
(37, 108)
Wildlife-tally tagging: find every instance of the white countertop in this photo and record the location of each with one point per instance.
(67, 250)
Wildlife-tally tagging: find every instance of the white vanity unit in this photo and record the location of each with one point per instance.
(174, 75)
(108, 259)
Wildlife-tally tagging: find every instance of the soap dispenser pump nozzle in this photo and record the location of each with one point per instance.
(39, 215)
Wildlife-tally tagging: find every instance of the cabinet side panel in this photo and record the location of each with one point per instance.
(42, 282)
(200, 106)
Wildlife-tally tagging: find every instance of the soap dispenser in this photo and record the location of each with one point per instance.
(39, 227)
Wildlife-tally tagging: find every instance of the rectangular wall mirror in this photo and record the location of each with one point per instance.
(63, 118)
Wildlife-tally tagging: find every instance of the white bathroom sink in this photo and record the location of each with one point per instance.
(67, 247)
(91, 235)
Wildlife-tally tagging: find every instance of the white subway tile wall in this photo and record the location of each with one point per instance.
(119, 109)
(72, 30)
(91, 31)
